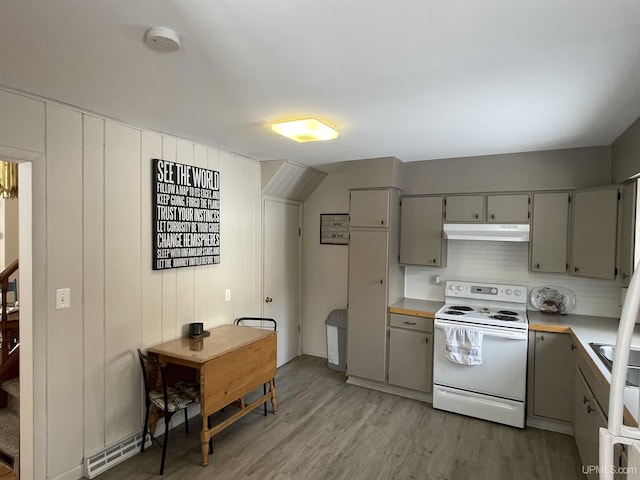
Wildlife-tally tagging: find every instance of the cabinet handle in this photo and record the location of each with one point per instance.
(493, 216)
(585, 399)
(426, 340)
(434, 260)
(576, 269)
(381, 222)
(573, 347)
(410, 323)
(542, 338)
(475, 215)
(537, 266)
(589, 409)
(381, 281)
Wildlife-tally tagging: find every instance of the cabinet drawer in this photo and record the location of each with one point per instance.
(410, 322)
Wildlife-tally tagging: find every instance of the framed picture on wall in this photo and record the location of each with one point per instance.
(334, 228)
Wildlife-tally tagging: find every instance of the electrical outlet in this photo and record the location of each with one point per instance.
(227, 295)
(63, 298)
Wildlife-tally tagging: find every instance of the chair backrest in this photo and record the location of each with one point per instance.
(152, 375)
(258, 322)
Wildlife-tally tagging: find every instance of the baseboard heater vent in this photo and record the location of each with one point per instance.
(113, 455)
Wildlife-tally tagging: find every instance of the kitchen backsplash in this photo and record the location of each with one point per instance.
(504, 262)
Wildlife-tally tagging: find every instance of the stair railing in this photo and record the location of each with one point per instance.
(8, 345)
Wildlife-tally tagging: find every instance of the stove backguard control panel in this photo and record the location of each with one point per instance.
(487, 291)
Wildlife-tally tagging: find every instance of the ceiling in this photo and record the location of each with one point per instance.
(414, 79)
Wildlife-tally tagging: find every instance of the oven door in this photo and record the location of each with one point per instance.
(503, 372)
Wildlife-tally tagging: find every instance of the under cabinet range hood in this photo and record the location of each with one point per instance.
(496, 232)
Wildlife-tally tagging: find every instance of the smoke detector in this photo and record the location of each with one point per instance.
(162, 39)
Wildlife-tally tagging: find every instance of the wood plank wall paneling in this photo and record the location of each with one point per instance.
(504, 262)
(64, 258)
(122, 279)
(93, 280)
(92, 233)
(151, 280)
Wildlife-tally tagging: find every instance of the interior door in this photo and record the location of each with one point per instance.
(281, 274)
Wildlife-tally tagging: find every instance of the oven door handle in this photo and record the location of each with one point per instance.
(486, 331)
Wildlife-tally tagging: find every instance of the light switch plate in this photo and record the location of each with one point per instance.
(63, 298)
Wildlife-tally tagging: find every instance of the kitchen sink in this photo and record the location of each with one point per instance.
(606, 353)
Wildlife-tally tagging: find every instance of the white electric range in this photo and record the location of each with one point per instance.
(494, 389)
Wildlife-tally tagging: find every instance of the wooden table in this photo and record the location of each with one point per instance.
(231, 362)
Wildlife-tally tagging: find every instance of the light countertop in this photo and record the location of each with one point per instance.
(416, 308)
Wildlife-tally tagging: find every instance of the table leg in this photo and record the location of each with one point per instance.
(204, 439)
(272, 388)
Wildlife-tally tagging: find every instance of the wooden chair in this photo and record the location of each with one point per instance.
(169, 399)
(265, 324)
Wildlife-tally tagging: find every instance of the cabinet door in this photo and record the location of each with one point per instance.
(421, 231)
(367, 304)
(549, 232)
(627, 232)
(595, 220)
(411, 359)
(508, 208)
(587, 420)
(369, 208)
(554, 369)
(465, 208)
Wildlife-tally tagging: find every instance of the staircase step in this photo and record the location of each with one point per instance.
(12, 387)
(9, 437)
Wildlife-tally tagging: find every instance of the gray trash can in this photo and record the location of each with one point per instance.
(336, 324)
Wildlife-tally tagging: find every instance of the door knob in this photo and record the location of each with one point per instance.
(268, 299)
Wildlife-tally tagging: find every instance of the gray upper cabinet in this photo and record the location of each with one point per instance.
(369, 208)
(465, 208)
(508, 208)
(594, 228)
(421, 240)
(626, 239)
(549, 232)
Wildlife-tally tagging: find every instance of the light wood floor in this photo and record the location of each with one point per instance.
(326, 429)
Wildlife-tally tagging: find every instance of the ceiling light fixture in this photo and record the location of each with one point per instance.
(308, 129)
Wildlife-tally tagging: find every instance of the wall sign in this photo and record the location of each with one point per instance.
(186, 215)
(334, 228)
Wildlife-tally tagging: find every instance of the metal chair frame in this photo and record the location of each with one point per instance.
(154, 378)
(239, 321)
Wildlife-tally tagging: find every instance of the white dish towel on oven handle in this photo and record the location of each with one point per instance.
(463, 345)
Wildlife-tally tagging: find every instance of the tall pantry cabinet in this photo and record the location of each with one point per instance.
(375, 279)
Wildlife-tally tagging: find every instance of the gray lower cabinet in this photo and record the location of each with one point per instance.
(551, 384)
(421, 241)
(588, 417)
(549, 232)
(594, 224)
(367, 312)
(411, 352)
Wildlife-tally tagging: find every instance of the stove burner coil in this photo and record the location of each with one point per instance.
(506, 318)
(511, 313)
(461, 308)
(454, 312)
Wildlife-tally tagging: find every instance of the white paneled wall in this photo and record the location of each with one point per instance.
(504, 262)
(92, 233)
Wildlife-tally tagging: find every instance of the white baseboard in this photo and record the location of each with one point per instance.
(550, 425)
(73, 474)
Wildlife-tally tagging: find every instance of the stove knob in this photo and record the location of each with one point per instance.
(517, 293)
(459, 288)
(494, 291)
(508, 291)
